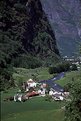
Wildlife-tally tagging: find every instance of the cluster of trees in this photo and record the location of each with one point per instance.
(27, 61)
(62, 67)
(12, 24)
(73, 107)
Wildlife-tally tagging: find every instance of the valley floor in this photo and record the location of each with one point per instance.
(36, 108)
(32, 110)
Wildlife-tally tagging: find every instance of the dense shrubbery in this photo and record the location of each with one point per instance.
(73, 67)
(6, 80)
(27, 62)
(11, 31)
(73, 107)
(62, 67)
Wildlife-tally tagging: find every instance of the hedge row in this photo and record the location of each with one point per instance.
(62, 67)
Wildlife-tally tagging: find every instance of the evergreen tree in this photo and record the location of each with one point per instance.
(12, 24)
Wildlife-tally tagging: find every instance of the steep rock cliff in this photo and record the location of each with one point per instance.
(65, 17)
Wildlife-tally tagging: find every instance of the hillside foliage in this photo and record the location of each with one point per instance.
(73, 108)
(26, 38)
(62, 67)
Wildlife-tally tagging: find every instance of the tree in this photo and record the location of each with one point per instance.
(73, 108)
(12, 23)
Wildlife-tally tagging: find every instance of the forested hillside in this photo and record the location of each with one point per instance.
(26, 38)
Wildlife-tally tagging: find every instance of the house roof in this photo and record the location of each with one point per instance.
(30, 80)
(54, 85)
(57, 95)
(57, 88)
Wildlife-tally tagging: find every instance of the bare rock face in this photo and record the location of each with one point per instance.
(65, 18)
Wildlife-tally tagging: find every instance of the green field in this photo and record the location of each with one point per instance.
(33, 109)
(22, 74)
(68, 77)
(37, 108)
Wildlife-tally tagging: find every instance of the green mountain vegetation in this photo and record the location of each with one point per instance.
(26, 38)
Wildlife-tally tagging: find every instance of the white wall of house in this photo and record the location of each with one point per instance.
(33, 84)
(51, 92)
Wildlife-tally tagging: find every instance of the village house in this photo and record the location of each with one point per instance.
(45, 86)
(31, 83)
(58, 97)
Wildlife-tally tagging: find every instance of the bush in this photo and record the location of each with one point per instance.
(51, 70)
(48, 98)
(6, 80)
(61, 67)
(73, 67)
(25, 61)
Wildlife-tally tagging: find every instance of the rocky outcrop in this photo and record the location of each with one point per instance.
(65, 17)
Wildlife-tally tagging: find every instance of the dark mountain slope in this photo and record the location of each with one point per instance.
(26, 30)
(39, 37)
(26, 38)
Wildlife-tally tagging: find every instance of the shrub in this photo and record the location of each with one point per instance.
(6, 80)
(26, 61)
(73, 67)
(61, 67)
(48, 98)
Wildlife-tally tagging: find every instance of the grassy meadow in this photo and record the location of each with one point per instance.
(68, 77)
(36, 108)
(22, 74)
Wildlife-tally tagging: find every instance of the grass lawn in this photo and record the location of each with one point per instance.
(36, 116)
(68, 77)
(24, 74)
(33, 109)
